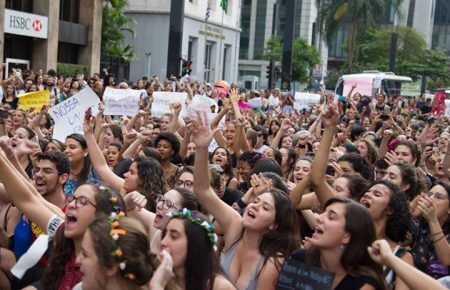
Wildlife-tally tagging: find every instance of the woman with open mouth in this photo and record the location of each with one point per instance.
(257, 243)
(88, 201)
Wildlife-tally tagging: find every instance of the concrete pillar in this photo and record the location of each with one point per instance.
(91, 16)
(45, 51)
(2, 33)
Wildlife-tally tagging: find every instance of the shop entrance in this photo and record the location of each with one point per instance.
(16, 63)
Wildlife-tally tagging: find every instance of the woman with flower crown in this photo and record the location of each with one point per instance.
(115, 255)
(190, 241)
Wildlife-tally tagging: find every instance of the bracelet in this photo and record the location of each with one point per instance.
(240, 203)
(435, 234)
(434, 242)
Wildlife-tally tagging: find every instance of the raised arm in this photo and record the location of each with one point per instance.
(285, 125)
(427, 207)
(381, 253)
(97, 158)
(22, 195)
(323, 191)
(227, 217)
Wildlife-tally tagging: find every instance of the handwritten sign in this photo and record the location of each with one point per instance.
(162, 100)
(202, 104)
(121, 101)
(34, 100)
(69, 115)
(297, 275)
(303, 100)
(255, 103)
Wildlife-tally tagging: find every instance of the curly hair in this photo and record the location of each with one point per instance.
(399, 222)
(410, 177)
(359, 164)
(151, 180)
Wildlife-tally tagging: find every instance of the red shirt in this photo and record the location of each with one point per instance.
(72, 275)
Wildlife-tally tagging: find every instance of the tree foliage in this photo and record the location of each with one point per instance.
(413, 57)
(114, 27)
(304, 57)
(274, 49)
(360, 15)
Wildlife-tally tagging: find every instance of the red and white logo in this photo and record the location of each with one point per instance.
(37, 25)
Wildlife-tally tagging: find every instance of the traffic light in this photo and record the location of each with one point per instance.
(268, 72)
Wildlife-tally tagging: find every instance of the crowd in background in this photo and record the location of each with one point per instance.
(355, 185)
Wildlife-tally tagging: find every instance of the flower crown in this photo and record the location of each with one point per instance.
(184, 213)
(115, 234)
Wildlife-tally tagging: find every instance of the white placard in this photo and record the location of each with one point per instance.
(255, 103)
(303, 100)
(162, 100)
(69, 115)
(202, 103)
(27, 24)
(447, 108)
(121, 101)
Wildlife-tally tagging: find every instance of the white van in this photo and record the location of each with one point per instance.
(371, 82)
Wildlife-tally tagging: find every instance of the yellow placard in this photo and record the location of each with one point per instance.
(34, 100)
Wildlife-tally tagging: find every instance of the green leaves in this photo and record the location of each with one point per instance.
(114, 27)
(305, 56)
(413, 57)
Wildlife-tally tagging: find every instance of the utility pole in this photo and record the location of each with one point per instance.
(286, 75)
(274, 32)
(175, 37)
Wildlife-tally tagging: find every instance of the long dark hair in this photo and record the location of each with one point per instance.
(86, 169)
(64, 249)
(355, 259)
(228, 170)
(285, 238)
(201, 265)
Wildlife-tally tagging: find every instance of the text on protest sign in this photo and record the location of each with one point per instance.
(202, 104)
(69, 115)
(121, 101)
(162, 100)
(297, 275)
(34, 100)
(303, 100)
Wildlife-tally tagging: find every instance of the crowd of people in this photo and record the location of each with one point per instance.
(355, 185)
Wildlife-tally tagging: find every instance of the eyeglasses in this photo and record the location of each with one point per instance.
(166, 203)
(438, 195)
(81, 200)
(186, 183)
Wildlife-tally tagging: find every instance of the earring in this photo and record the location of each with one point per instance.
(342, 247)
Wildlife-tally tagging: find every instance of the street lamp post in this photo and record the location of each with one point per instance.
(148, 55)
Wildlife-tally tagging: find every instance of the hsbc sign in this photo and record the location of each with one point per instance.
(27, 24)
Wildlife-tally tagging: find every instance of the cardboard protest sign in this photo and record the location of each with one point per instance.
(255, 103)
(162, 100)
(34, 100)
(202, 104)
(303, 100)
(300, 276)
(69, 115)
(121, 101)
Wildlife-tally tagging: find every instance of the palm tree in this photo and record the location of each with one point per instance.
(361, 14)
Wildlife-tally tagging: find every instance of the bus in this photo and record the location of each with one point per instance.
(369, 83)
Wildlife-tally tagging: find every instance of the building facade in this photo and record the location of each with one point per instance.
(212, 46)
(39, 34)
(257, 20)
